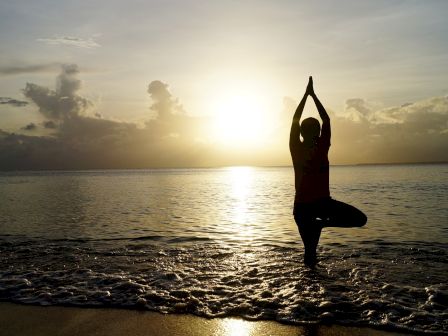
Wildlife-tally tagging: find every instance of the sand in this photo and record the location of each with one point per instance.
(18, 319)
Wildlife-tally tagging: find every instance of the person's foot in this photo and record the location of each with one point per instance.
(310, 260)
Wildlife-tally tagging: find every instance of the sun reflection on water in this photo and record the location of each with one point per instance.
(241, 182)
(236, 327)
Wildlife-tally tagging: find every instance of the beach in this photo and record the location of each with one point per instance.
(18, 319)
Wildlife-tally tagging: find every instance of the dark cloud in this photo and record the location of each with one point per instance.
(64, 102)
(29, 152)
(71, 41)
(29, 127)
(26, 69)
(170, 138)
(12, 102)
(50, 124)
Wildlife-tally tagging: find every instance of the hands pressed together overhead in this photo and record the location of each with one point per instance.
(310, 88)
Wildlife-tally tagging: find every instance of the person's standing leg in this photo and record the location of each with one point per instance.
(309, 229)
(310, 233)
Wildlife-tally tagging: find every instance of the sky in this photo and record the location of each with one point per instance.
(142, 84)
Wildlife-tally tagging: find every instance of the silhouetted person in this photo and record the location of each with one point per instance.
(313, 206)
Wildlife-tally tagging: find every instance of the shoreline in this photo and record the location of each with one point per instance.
(20, 319)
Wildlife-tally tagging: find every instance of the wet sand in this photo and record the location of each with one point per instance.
(18, 319)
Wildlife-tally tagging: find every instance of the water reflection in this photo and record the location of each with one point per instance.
(240, 327)
(233, 205)
(237, 327)
(241, 180)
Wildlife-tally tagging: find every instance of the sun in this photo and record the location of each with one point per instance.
(239, 118)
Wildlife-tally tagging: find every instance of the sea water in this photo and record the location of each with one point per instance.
(223, 242)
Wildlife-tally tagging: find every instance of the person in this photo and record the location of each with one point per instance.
(313, 206)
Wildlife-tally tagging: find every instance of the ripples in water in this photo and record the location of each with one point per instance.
(350, 286)
(223, 242)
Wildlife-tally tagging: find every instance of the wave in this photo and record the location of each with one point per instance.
(381, 284)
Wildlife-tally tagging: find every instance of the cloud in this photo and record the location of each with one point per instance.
(362, 133)
(170, 138)
(29, 127)
(27, 152)
(64, 102)
(88, 43)
(164, 104)
(170, 119)
(427, 113)
(412, 132)
(50, 124)
(12, 102)
(25, 69)
(357, 109)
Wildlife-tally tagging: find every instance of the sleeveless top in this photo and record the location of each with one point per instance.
(311, 170)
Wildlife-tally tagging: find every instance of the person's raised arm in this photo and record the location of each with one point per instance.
(294, 136)
(326, 128)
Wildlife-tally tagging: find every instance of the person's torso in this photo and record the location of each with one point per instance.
(311, 170)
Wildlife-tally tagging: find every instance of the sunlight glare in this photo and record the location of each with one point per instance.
(239, 117)
(241, 182)
(236, 327)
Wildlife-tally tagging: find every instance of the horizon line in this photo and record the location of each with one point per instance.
(222, 167)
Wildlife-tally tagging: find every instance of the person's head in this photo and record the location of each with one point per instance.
(310, 129)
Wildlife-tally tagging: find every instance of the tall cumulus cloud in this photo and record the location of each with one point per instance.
(82, 140)
(63, 102)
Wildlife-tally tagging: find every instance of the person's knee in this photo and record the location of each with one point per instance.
(362, 219)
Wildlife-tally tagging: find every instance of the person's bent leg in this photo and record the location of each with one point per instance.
(340, 214)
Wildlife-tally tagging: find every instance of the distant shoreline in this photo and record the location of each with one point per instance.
(365, 164)
(220, 167)
(398, 163)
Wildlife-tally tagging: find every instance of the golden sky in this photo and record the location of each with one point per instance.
(113, 84)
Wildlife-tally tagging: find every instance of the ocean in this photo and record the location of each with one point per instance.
(223, 242)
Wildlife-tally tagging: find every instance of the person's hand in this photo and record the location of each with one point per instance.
(309, 88)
